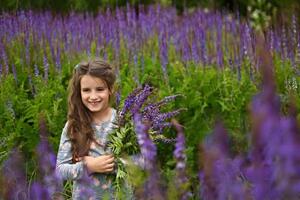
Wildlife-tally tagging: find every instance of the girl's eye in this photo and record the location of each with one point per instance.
(85, 89)
(100, 89)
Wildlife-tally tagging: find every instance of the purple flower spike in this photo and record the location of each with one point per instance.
(47, 164)
(148, 149)
(36, 70)
(160, 118)
(14, 177)
(180, 157)
(86, 191)
(179, 147)
(38, 191)
(129, 101)
(152, 188)
(141, 98)
(46, 67)
(220, 177)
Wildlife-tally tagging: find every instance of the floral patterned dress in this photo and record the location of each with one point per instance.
(100, 184)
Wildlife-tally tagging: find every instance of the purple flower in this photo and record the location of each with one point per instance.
(163, 52)
(286, 166)
(161, 117)
(141, 98)
(47, 162)
(46, 67)
(1, 71)
(204, 56)
(128, 103)
(148, 149)
(152, 188)
(180, 157)
(38, 191)
(86, 191)
(36, 70)
(14, 177)
(57, 59)
(220, 176)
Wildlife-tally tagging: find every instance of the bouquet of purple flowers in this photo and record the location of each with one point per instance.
(125, 142)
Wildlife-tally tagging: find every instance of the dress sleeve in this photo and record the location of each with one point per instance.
(64, 166)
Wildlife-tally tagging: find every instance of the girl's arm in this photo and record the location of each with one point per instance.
(64, 166)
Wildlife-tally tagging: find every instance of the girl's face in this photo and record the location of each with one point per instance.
(94, 94)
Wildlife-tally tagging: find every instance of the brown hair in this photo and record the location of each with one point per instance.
(79, 129)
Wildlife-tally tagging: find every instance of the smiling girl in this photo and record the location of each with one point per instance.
(90, 120)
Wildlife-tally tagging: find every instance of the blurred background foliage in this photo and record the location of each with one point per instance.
(261, 13)
(263, 7)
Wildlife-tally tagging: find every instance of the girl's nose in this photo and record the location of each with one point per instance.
(93, 95)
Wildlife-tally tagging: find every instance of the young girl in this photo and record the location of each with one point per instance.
(90, 120)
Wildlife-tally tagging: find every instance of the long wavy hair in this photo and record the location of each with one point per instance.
(79, 129)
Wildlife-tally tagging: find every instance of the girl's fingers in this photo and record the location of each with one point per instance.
(109, 169)
(109, 156)
(108, 166)
(110, 160)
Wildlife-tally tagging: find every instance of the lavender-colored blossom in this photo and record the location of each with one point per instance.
(128, 103)
(274, 139)
(47, 163)
(136, 70)
(142, 97)
(14, 177)
(118, 98)
(185, 48)
(219, 177)
(38, 191)
(294, 29)
(36, 70)
(160, 118)
(180, 157)
(148, 149)
(1, 71)
(46, 67)
(27, 50)
(219, 42)
(203, 41)
(87, 181)
(284, 48)
(195, 51)
(286, 176)
(57, 59)
(163, 53)
(271, 40)
(297, 59)
(135, 101)
(152, 189)
(150, 112)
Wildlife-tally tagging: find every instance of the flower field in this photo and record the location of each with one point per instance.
(236, 93)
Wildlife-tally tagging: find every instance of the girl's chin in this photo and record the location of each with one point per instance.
(95, 108)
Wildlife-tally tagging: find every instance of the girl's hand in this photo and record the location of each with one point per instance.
(100, 164)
